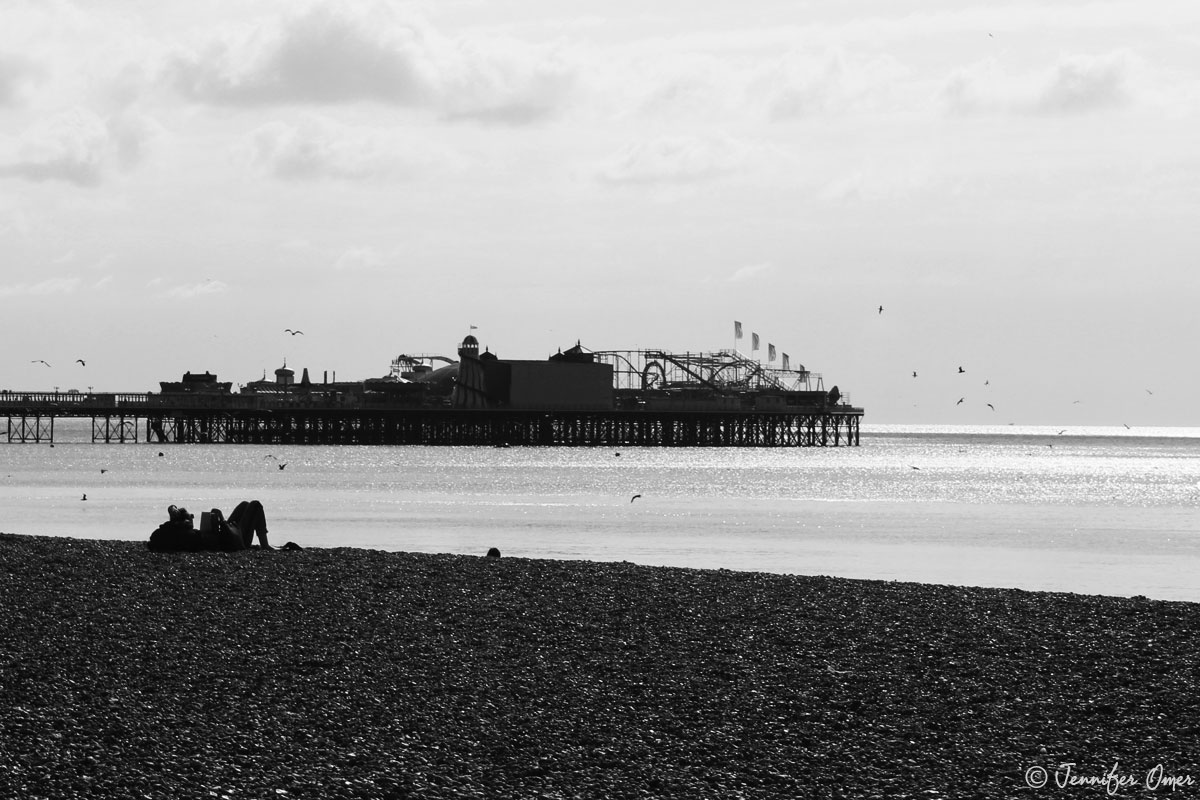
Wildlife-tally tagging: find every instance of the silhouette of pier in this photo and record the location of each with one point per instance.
(233, 419)
(579, 397)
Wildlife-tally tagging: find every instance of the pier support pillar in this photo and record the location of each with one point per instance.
(37, 429)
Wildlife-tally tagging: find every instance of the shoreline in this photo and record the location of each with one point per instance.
(363, 673)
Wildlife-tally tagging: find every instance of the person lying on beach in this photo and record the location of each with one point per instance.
(237, 532)
(177, 534)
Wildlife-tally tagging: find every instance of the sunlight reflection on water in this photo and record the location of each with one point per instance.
(1098, 511)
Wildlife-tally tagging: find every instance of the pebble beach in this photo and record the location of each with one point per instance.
(331, 673)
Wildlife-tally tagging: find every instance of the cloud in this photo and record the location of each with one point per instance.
(346, 53)
(799, 86)
(70, 146)
(76, 146)
(1073, 84)
(796, 85)
(132, 135)
(322, 148)
(323, 55)
(189, 290)
(676, 160)
(17, 77)
(358, 259)
(750, 271)
(508, 82)
(880, 180)
(679, 85)
(47, 287)
(1087, 83)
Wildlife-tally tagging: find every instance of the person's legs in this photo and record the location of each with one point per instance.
(251, 520)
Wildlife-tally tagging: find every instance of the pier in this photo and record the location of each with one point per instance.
(575, 398)
(163, 419)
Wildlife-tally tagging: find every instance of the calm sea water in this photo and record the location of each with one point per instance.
(1092, 510)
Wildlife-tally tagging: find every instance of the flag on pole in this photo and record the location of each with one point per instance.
(770, 353)
(737, 329)
(785, 361)
(753, 342)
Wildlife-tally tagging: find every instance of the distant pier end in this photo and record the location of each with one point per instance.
(576, 397)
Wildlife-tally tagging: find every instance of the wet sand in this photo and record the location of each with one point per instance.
(354, 673)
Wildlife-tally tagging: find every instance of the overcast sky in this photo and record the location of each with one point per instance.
(1016, 183)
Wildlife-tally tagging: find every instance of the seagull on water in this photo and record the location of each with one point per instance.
(961, 370)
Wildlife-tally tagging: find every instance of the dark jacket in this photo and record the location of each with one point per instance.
(176, 536)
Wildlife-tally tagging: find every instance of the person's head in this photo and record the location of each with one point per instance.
(178, 514)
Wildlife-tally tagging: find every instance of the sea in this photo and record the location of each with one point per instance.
(1091, 510)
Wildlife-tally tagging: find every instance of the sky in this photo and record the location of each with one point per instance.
(1016, 184)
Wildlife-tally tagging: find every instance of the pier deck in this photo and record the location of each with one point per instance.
(129, 418)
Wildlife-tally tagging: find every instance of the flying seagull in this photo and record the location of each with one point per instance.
(881, 309)
(81, 361)
(960, 401)
(39, 361)
(635, 497)
(914, 373)
(992, 407)
(284, 464)
(961, 370)
(292, 332)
